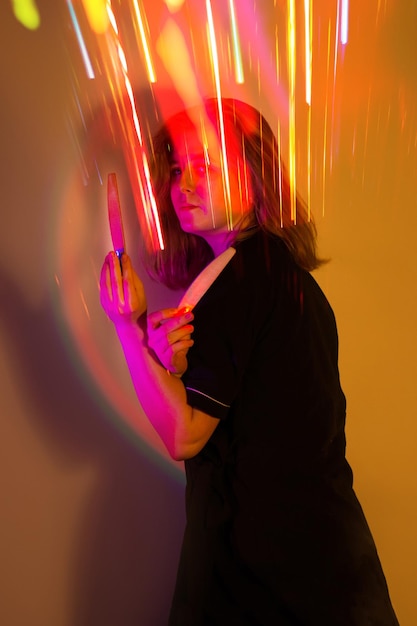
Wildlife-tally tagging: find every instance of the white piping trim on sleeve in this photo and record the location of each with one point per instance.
(209, 397)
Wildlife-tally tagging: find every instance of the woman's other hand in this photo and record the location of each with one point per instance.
(122, 294)
(169, 336)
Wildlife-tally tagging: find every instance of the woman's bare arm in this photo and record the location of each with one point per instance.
(183, 430)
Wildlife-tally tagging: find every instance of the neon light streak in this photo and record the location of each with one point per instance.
(215, 61)
(279, 174)
(309, 164)
(148, 59)
(277, 53)
(308, 47)
(344, 22)
(112, 18)
(291, 51)
(83, 48)
(152, 200)
(236, 45)
(325, 122)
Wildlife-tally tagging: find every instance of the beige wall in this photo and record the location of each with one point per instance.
(91, 517)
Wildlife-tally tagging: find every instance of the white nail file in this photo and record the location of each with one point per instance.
(206, 278)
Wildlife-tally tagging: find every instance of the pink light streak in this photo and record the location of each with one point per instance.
(215, 63)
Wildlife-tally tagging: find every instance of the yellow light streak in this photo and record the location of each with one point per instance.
(277, 53)
(173, 51)
(27, 13)
(291, 50)
(97, 16)
(308, 46)
(239, 75)
(174, 5)
(146, 51)
(152, 200)
(280, 174)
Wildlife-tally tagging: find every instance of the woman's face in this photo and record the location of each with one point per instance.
(210, 192)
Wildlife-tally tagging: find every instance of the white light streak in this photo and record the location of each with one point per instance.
(344, 22)
(308, 48)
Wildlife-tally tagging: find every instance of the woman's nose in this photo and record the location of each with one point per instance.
(187, 182)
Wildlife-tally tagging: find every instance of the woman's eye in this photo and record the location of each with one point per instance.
(175, 172)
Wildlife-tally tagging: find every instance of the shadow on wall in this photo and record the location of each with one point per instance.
(124, 559)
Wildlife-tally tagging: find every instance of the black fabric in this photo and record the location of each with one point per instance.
(275, 535)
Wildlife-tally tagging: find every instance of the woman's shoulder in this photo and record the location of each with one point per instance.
(262, 253)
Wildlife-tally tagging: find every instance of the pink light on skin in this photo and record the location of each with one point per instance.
(81, 42)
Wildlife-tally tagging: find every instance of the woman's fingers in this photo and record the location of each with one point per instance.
(169, 336)
(122, 294)
(171, 319)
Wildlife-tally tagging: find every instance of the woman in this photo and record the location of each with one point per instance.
(275, 534)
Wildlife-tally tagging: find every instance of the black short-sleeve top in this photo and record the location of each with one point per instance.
(274, 529)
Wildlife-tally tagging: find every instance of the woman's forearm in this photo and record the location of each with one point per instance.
(162, 396)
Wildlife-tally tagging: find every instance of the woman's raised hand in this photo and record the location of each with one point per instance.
(122, 294)
(169, 336)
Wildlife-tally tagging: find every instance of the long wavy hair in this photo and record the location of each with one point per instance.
(185, 255)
